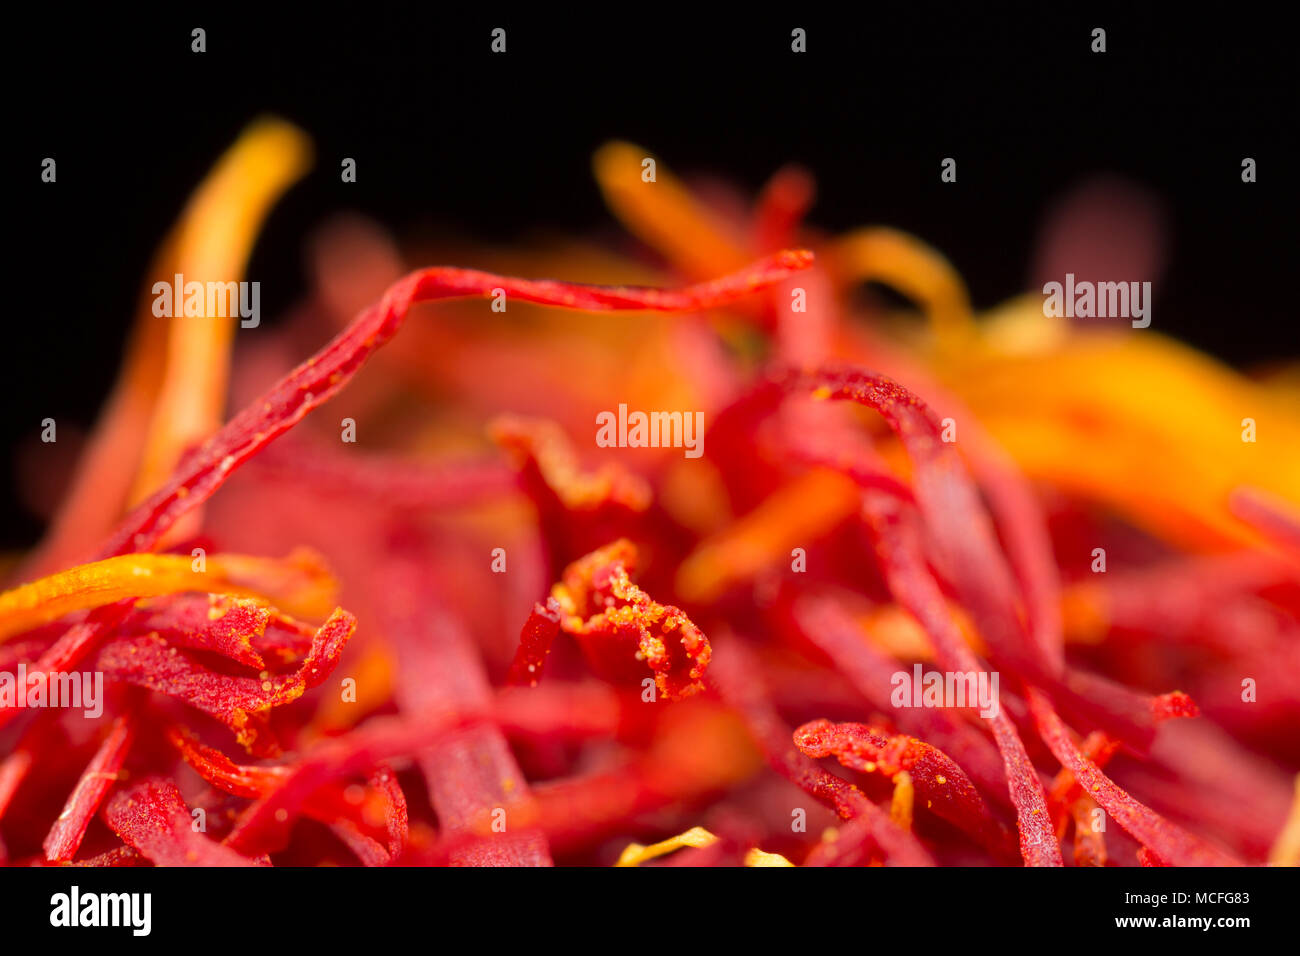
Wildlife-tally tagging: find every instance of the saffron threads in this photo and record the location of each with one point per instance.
(446, 622)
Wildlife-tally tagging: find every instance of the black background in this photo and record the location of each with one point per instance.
(448, 135)
(370, 907)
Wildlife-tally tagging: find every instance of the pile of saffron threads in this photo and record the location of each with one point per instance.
(364, 587)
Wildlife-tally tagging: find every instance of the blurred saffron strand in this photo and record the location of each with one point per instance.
(555, 652)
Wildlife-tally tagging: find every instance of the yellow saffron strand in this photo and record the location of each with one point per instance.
(900, 808)
(1141, 424)
(104, 582)
(909, 266)
(797, 513)
(212, 245)
(635, 854)
(663, 213)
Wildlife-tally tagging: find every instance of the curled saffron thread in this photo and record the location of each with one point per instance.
(323, 375)
(201, 472)
(959, 529)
